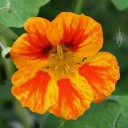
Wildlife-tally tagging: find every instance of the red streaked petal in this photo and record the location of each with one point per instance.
(80, 33)
(33, 47)
(34, 89)
(75, 96)
(102, 72)
(37, 26)
(27, 51)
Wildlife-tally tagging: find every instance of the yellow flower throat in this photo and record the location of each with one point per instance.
(61, 60)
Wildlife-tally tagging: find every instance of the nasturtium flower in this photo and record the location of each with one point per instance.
(59, 67)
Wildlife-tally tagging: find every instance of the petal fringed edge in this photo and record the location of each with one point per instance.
(75, 96)
(35, 89)
(102, 73)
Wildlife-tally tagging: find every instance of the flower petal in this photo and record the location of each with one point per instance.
(102, 72)
(36, 25)
(32, 48)
(75, 96)
(80, 33)
(34, 89)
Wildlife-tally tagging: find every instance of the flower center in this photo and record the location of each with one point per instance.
(60, 60)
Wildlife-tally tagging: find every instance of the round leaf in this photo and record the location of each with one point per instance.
(13, 13)
(120, 4)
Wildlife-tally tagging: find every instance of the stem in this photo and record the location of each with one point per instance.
(2, 46)
(43, 118)
(26, 118)
(9, 66)
(2, 8)
(62, 122)
(79, 6)
(10, 69)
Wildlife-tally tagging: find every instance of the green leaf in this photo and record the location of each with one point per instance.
(113, 114)
(108, 114)
(15, 14)
(52, 121)
(104, 116)
(120, 4)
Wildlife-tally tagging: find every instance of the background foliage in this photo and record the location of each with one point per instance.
(112, 14)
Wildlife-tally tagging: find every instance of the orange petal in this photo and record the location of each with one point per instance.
(75, 96)
(36, 25)
(102, 72)
(34, 89)
(32, 48)
(80, 33)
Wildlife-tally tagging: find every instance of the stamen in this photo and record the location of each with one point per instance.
(67, 68)
(60, 52)
(56, 68)
(59, 59)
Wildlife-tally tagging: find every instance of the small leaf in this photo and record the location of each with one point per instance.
(19, 12)
(120, 4)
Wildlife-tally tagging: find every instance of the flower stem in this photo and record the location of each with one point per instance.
(79, 6)
(10, 69)
(1, 45)
(24, 115)
(62, 122)
(9, 66)
(2, 8)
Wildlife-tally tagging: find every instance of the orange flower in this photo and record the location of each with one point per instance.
(59, 67)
